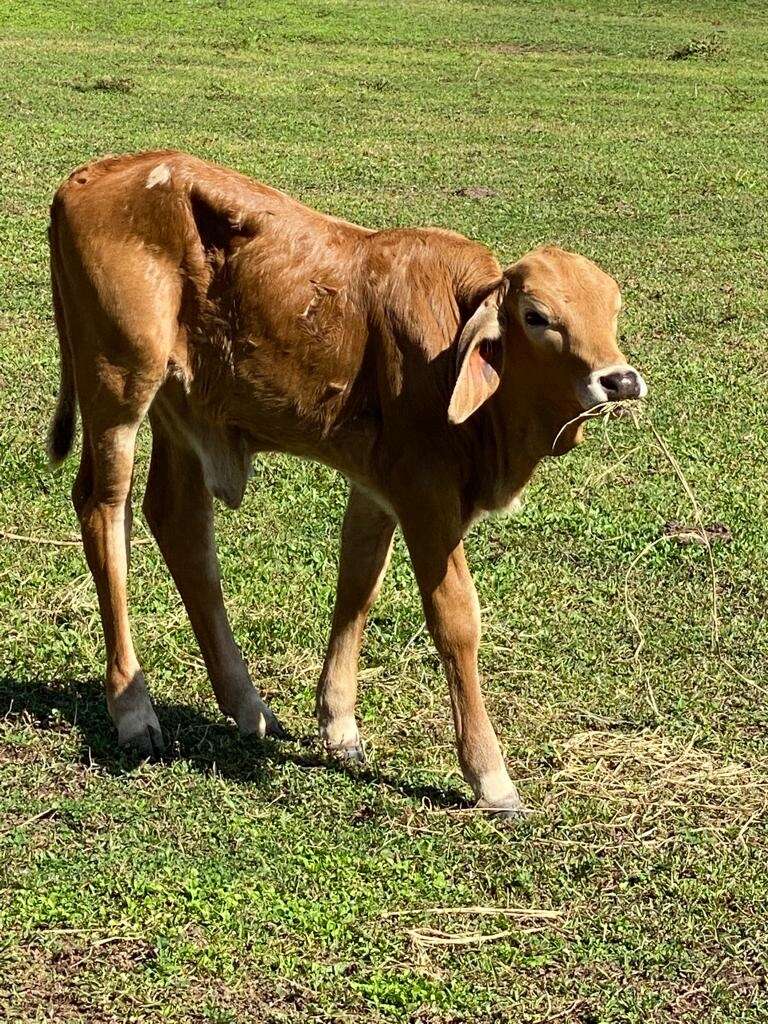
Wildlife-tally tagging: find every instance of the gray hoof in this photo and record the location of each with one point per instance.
(255, 718)
(511, 808)
(352, 756)
(277, 730)
(147, 745)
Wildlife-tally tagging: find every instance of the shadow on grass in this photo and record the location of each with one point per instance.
(206, 744)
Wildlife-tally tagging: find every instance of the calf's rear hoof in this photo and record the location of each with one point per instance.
(256, 719)
(277, 730)
(352, 756)
(510, 807)
(146, 743)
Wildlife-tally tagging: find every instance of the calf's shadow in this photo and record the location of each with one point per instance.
(207, 745)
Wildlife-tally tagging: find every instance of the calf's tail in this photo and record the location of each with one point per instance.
(61, 432)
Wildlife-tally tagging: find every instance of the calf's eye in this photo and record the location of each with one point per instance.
(534, 319)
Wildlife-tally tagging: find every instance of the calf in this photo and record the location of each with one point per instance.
(240, 321)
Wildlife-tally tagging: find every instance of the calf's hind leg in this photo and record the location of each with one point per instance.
(101, 496)
(179, 510)
(366, 544)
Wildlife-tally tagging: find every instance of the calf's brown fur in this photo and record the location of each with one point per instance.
(240, 321)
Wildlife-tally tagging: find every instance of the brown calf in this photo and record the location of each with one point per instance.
(240, 321)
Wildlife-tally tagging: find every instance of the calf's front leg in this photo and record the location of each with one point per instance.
(366, 545)
(453, 618)
(179, 510)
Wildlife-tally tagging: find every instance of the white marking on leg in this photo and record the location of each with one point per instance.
(340, 732)
(496, 788)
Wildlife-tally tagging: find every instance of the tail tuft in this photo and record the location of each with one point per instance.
(61, 433)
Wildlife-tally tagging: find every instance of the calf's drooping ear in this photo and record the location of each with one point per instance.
(476, 378)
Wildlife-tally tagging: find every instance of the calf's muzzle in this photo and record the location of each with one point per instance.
(623, 383)
(610, 384)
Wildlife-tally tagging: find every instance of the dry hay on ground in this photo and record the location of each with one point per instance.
(655, 779)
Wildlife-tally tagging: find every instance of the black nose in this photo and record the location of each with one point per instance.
(622, 384)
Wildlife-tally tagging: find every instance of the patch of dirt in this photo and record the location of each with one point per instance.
(743, 980)
(475, 192)
(18, 753)
(514, 48)
(72, 978)
(687, 534)
(110, 83)
(624, 209)
(49, 983)
(520, 48)
(709, 48)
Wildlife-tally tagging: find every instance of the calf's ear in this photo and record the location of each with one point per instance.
(478, 359)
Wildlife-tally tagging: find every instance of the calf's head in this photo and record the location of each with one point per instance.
(545, 338)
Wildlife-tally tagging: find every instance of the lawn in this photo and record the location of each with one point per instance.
(239, 881)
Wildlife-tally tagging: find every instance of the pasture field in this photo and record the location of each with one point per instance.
(240, 881)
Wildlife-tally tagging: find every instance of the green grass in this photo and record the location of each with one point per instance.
(241, 882)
